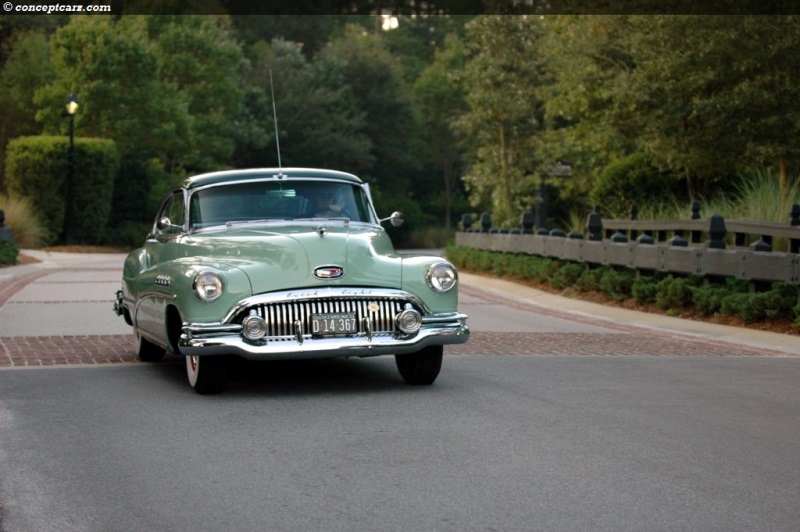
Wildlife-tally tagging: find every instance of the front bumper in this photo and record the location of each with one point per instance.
(220, 339)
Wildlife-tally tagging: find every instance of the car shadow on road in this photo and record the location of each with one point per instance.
(300, 377)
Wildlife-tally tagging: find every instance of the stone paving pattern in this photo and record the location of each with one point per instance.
(31, 351)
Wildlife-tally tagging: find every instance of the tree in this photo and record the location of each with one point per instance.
(313, 33)
(27, 68)
(376, 81)
(115, 73)
(319, 124)
(505, 117)
(440, 103)
(201, 62)
(716, 94)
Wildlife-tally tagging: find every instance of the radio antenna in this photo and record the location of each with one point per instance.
(275, 118)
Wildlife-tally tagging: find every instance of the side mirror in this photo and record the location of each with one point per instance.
(396, 219)
(163, 223)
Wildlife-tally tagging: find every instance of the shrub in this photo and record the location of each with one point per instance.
(37, 168)
(8, 253)
(781, 300)
(27, 229)
(632, 179)
(708, 299)
(617, 284)
(127, 235)
(734, 303)
(567, 275)
(670, 292)
(675, 292)
(589, 281)
(644, 289)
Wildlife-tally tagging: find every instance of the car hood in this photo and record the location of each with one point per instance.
(286, 256)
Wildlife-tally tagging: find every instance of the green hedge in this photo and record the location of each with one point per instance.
(37, 168)
(668, 292)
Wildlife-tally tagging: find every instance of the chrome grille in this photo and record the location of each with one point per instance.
(280, 317)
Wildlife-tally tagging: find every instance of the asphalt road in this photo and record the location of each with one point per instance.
(554, 416)
(498, 443)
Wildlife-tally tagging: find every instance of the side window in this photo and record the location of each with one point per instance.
(174, 210)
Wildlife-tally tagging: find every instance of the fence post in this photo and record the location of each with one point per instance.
(466, 222)
(5, 232)
(527, 223)
(634, 216)
(716, 232)
(594, 224)
(486, 222)
(696, 236)
(695, 210)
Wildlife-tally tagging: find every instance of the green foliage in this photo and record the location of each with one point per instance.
(589, 281)
(676, 292)
(745, 305)
(567, 274)
(38, 169)
(27, 68)
(710, 75)
(617, 283)
(779, 302)
(440, 102)
(782, 301)
(27, 229)
(632, 179)
(127, 235)
(613, 282)
(708, 299)
(382, 96)
(505, 116)
(645, 289)
(644, 107)
(8, 253)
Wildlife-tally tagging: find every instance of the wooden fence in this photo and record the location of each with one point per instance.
(710, 247)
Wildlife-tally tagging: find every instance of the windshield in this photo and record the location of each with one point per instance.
(277, 200)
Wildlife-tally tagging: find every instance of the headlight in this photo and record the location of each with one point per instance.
(208, 286)
(442, 277)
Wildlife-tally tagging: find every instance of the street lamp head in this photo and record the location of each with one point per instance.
(72, 104)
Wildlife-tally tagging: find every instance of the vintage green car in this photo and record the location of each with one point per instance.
(280, 264)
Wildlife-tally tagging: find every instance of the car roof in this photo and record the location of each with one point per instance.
(268, 173)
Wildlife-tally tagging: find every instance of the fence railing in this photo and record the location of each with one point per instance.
(711, 247)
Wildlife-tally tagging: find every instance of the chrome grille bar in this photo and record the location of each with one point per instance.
(281, 316)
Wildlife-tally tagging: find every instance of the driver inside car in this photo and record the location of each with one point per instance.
(323, 205)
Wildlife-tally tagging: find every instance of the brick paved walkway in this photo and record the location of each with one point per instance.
(108, 349)
(27, 351)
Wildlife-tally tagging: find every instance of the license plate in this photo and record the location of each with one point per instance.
(334, 323)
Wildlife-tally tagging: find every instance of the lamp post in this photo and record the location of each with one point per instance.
(72, 105)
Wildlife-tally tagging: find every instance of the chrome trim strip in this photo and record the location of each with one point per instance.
(155, 293)
(336, 347)
(325, 292)
(443, 318)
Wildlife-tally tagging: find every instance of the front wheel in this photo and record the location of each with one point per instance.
(421, 367)
(146, 350)
(207, 374)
